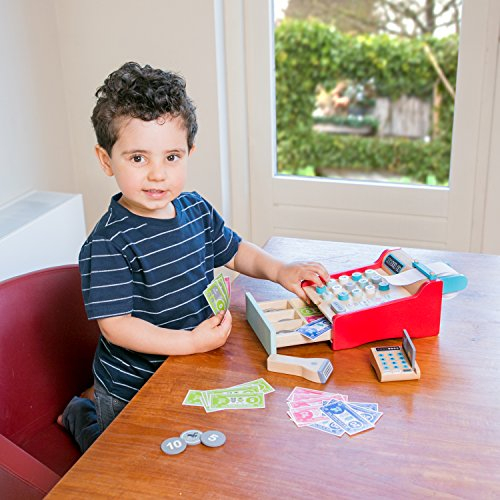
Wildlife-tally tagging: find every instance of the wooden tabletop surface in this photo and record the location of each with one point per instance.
(439, 436)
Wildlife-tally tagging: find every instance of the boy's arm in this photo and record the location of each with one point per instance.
(257, 263)
(141, 336)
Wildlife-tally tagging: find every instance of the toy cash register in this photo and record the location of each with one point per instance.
(378, 301)
(365, 304)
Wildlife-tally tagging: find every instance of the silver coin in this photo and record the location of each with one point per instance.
(173, 446)
(192, 437)
(213, 438)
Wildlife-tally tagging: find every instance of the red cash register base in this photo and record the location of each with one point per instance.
(419, 314)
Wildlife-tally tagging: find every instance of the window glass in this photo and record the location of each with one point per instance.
(365, 88)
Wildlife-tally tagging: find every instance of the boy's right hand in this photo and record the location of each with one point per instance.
(213, 332)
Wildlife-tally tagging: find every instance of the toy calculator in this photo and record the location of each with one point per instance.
(394, 363)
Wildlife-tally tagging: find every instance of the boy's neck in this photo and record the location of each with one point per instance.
(168, 212)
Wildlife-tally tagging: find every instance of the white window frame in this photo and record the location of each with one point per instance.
(266, 205)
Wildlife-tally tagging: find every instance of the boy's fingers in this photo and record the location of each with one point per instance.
(315, 278)
(320, 270)
(217, 319)
(227, 319)
(299, 291)
(226, 325)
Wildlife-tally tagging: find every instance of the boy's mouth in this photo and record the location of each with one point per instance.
(155, 193)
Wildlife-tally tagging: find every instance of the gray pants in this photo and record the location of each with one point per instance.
(107, 407)
(86, 421)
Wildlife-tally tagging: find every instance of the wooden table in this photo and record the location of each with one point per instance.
(439, 436)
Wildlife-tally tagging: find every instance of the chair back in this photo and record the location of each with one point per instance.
(47, 346)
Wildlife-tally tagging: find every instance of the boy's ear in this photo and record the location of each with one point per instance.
(104, 160)
(193, 147)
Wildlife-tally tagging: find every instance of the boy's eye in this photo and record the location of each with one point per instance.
(172, 157)
(137, 159)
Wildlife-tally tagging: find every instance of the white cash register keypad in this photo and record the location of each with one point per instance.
(354, 292)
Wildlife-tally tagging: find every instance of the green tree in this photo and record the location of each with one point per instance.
(408, 18)
(413, 18)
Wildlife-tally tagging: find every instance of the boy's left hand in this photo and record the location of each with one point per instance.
(290, 276)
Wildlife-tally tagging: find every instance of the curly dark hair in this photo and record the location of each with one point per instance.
(141, 92)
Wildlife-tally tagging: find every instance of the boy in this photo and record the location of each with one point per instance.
(147, 262)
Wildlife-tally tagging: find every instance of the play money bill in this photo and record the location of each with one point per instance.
(259, 384)
(328, 426)
(222, 284)
(217, 295)
(316, 328)
(193, 398)
(371, 416)
(236, 402)
(306, 416)
(206, 396)
(342, 414)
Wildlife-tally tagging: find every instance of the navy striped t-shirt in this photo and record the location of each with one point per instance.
(153, 269)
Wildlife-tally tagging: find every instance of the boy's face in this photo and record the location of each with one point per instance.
(149, 162)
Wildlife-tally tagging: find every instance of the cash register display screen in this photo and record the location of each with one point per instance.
(393, 264)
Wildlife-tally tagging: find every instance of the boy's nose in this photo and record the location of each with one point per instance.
(156, 172)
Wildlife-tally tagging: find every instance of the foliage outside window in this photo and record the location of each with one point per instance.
(312, 57)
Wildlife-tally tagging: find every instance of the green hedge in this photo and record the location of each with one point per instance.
(309, 53)
(418, 160)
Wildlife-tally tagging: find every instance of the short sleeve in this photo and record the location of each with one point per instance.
(225, 240)
(106, 280)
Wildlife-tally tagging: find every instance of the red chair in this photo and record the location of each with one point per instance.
(46, 351)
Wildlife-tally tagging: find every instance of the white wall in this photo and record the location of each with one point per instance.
(96, 37)
(34, 138)
(490, 233)
(55, 54)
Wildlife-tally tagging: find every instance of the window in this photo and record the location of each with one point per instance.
(365, 89)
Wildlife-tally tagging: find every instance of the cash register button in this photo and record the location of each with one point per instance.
(337, 307)
(356, 276)
(383, 286)
(363, 283)
(343, 296)
(320, 290)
